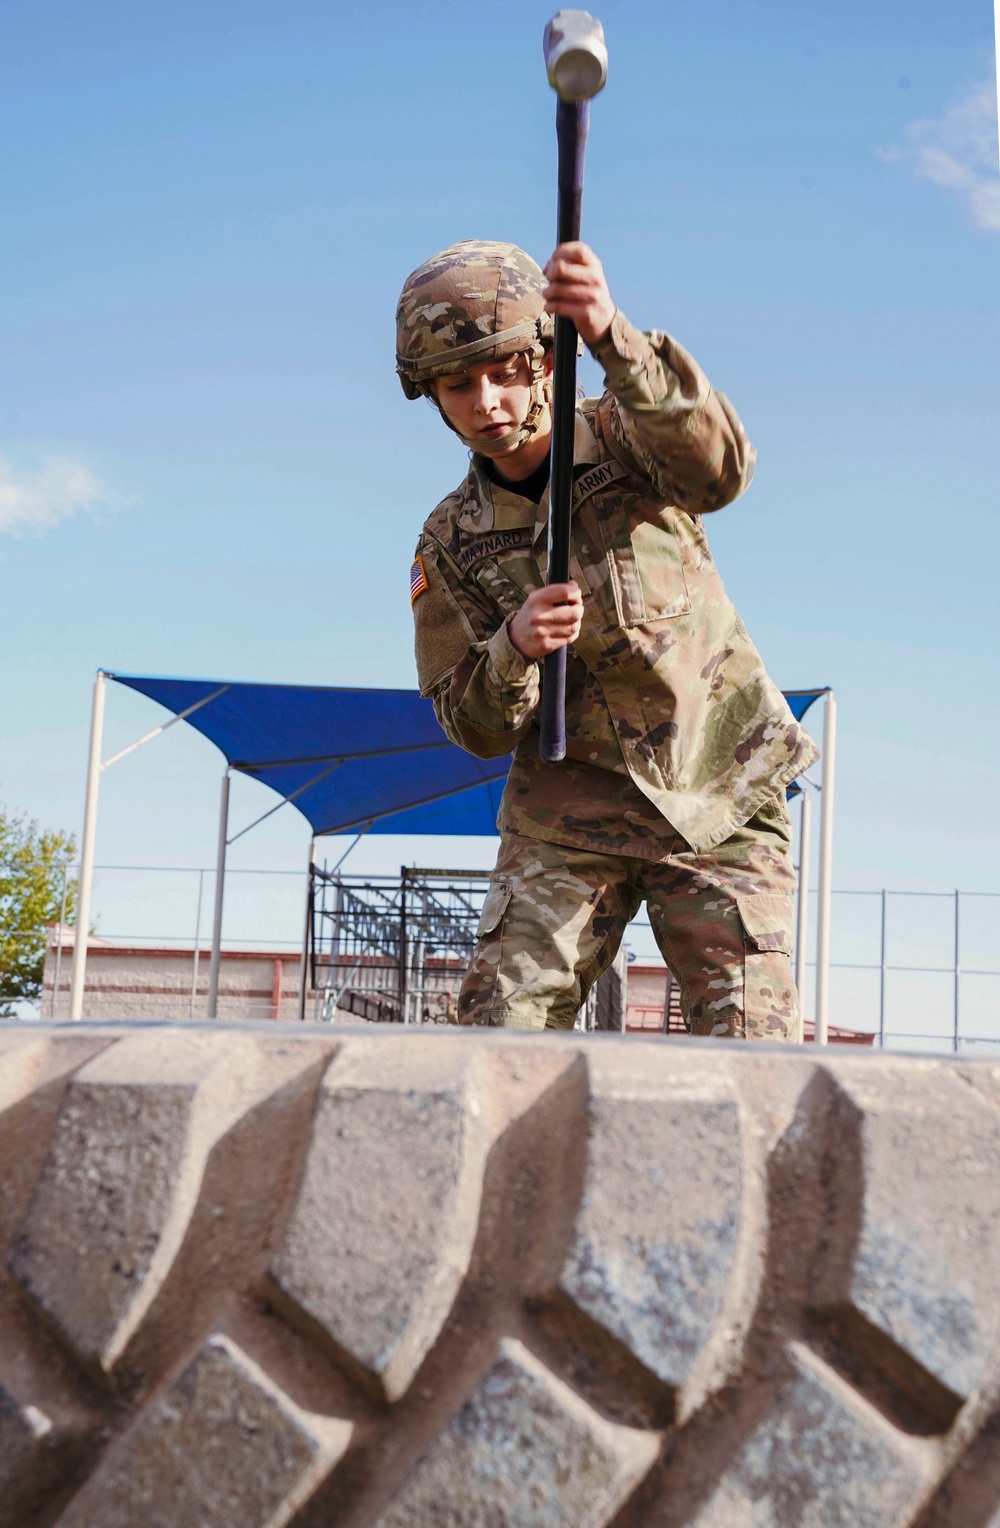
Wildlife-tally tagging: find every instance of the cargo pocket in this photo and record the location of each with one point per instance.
(767, 918)
(508, 581)
(770, 1003)
(494, 908)
(479, 988)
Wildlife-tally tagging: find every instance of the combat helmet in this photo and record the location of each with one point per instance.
(475, 301)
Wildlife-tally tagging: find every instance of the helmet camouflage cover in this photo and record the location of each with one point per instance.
(475, 301)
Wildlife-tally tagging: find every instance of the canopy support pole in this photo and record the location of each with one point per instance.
(79, 976)
(802, 924)
(825, 870)
(306, 933)
(220, 891)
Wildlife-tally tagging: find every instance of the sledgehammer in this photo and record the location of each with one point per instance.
(577, 64)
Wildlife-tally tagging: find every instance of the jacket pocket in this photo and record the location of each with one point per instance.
(646, 569)
(767, 918)
(507, 582)
(494, 907)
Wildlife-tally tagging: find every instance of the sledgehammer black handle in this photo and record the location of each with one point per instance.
(572, 121)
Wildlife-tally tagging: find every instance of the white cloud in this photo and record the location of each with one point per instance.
(38, 500)
(959, 153)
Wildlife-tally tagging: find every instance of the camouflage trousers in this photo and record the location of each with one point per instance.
(554, 918)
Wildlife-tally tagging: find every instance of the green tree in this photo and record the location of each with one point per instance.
(31, 881)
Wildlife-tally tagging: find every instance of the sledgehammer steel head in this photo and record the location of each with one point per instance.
(575, 55)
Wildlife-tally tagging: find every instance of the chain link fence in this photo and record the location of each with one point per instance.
(917, 970)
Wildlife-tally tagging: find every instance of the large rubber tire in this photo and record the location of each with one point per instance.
(259, 1275)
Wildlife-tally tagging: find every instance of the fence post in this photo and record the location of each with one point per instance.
(404, 995)
(881, 979)
(955, 996)
(197, 942)
(220, 891)
(802, 921)
(59, 941)
(307, 932)
(825, 870)
(79, 977)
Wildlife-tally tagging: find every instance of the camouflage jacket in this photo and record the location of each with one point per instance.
(672, 722)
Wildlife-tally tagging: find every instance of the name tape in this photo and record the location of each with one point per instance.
(501, 541)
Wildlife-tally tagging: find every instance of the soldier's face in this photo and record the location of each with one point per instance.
(487, 400)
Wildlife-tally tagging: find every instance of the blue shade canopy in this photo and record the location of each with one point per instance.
(346, 758)
(799, 701)
(349, 759)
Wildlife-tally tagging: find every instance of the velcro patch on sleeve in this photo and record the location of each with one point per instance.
(418, 579)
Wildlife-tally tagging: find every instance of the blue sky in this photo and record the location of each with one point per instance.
(207, 465)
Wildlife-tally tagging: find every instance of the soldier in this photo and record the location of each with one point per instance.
(679, 746)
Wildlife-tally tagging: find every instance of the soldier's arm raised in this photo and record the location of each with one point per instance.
(686, 437)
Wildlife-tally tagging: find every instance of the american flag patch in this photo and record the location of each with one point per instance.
(418, 579)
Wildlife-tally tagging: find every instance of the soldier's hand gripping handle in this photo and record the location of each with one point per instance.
(577, 64)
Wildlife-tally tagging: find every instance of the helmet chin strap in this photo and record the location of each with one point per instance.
(538, 402)
(499, 445)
